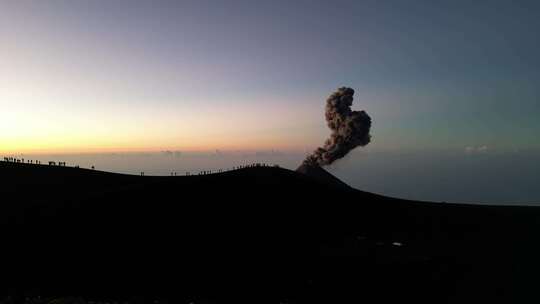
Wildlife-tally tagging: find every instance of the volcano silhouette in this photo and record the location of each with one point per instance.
(319, 174)
(255, 235)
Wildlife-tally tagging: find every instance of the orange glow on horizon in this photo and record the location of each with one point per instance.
(69, 146)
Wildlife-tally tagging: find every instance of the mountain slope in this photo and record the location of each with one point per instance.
(254, 235)
(321, 175)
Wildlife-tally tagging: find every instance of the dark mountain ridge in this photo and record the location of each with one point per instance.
(319, 174)
(255, 235)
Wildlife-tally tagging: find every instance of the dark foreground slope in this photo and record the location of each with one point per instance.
(256, 235)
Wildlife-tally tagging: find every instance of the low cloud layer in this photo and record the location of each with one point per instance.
(476, 150)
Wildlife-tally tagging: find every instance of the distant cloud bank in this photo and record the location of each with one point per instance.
(476, 150)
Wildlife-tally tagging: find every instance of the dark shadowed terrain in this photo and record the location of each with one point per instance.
(255, 235)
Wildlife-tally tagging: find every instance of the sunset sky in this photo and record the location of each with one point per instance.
(94, 76)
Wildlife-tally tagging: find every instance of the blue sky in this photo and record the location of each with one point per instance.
(432, 75)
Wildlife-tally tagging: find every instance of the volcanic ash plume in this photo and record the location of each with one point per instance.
(350, 129)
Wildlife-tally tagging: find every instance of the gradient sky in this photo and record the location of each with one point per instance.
(91, 76)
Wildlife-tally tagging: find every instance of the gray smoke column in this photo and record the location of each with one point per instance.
(350, 129)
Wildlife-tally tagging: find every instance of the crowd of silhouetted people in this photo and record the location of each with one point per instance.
(22, 160)
(32, 161)
(254, 165)
(35, 162)
(203, 172)
(206, 172)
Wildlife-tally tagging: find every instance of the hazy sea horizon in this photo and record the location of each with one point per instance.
(453, 176)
